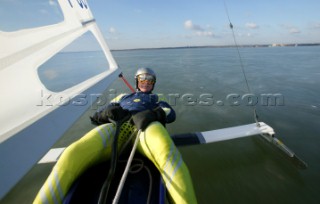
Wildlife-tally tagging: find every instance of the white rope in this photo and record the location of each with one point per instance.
(140, 166)
(150, 184)
(126, 171)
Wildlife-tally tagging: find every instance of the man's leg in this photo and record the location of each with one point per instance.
(157, 145)
(92, 148)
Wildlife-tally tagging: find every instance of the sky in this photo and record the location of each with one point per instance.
(129, 24)
(170, 23)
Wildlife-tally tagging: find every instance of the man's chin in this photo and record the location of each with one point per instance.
(145, 89)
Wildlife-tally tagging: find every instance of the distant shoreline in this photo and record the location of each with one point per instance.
(226, 46)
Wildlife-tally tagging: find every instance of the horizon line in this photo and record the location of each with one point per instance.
(225, 46)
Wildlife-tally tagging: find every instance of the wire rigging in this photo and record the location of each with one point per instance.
(237, 46)
(241, 61)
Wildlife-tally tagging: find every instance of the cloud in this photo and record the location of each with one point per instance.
(112, 30)
(43, 11)
(52, 3)
(198, 30)
(50, 74)
(291, 29)
(294, 30)
(205, 33)
(315, 26)
(252, 25)
(113, 33)
(189, 25)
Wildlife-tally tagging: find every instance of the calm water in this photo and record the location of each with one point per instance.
(246, 170)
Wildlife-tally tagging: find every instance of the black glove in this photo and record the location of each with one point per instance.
(113, 112)
(97, 118)
(116, 113)
(144, 118)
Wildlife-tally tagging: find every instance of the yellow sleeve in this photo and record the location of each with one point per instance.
(161, 97)
(117, 99)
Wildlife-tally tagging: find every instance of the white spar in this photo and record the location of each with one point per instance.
(236, 132)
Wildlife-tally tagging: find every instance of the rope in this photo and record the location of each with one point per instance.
(124, 176)
(113, 162)
(140, 166)
(255, 116)
(114, 151)
(126, 144)
(150, 184)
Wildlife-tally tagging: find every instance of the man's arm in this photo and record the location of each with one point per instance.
(170, 113)
(112, 111)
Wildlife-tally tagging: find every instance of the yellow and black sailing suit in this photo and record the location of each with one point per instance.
(154, 142)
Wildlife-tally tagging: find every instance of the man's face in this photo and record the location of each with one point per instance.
(145, 82)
